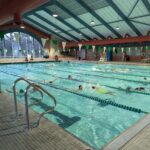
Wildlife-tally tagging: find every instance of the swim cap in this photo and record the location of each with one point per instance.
(21, 91)
(102, 91)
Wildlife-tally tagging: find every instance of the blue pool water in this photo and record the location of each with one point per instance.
(83, 113)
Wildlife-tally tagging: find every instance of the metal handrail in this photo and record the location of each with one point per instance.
(39, 100)
(37, 87)
(0, 87)
(15, 95)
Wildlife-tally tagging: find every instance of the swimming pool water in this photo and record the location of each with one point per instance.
(86, 117)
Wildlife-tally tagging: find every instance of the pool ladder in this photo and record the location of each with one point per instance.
(38, 88)
(0, 87)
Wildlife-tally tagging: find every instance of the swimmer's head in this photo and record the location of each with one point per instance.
(69, 77)
(80, 87)
(21, 91)
(128, 89)
(93, 87)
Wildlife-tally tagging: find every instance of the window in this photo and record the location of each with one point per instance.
(18, 44)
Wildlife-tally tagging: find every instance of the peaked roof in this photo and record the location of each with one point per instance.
(113, 18)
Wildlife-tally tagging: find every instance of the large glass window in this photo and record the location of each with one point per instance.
(18, 44)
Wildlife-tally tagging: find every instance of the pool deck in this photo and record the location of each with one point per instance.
(125, 63)
(22, 60)
(139, 142)
(48, 136)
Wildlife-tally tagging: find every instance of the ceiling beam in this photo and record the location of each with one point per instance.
(78, 19)
(140, 22)
(67, 24)
(121, 14)
(85, 6)
(55, 26)
(147, 15)
(45, 28)
(71, 26)
(51, 2)
(109, 42)
(146, 4)
(133, 8)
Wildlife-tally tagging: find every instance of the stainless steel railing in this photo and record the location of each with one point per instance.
(0, 87)
(37, 88)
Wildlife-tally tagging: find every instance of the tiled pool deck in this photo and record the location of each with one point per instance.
(22, 60)
(48, 136)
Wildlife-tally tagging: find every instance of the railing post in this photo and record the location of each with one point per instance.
(37, 87)
(26, 107)
(15, 99)
(15, 95)
(0, 87)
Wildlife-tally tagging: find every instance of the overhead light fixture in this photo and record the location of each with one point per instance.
(92, 22)
(22, 26)
(55, 15)
(56, 30)
(117, 28)
(55, 9)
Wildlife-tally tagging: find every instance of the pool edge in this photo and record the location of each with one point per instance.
(118, 142)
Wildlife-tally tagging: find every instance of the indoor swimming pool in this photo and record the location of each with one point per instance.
(108, 104)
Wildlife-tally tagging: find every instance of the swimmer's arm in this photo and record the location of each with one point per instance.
(111, 93)
(46, 81)
(53, 80)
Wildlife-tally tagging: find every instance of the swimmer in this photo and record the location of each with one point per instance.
(69, 77)
(80, 87)
(120, 70)
(50, 81)
(53, 80)
(102, 90)
(140, 89)
(21, 91)
(128, 89)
